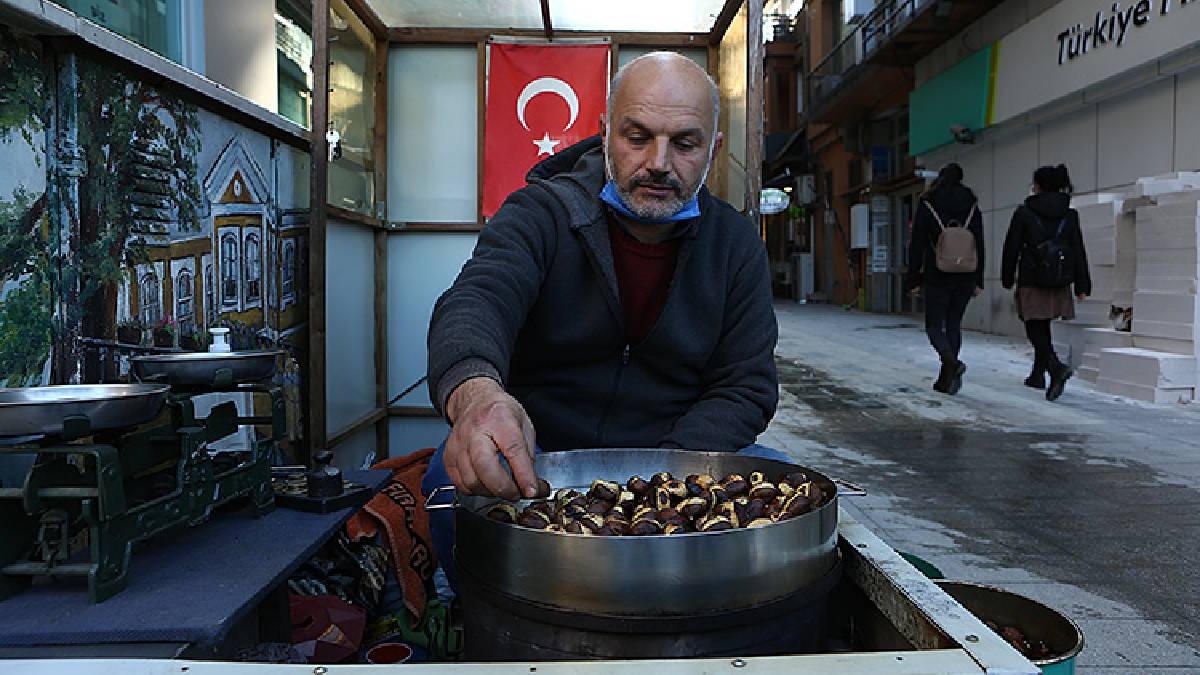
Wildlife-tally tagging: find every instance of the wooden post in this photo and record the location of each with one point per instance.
(383, 426)
(318, 191)
(754, 107)
(481, 48)
(546, 24)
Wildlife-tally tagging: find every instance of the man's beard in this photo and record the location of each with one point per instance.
(656, 209)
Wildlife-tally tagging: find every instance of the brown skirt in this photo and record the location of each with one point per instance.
(1035, 303)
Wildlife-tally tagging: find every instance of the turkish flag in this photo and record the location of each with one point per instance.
(540, 100)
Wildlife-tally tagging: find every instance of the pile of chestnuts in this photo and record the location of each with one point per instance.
(666, 505)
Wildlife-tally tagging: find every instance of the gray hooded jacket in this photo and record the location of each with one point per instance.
(537, 309)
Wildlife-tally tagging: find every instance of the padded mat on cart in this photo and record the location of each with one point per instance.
(188, 585)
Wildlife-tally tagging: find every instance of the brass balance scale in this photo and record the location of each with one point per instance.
(106, 476)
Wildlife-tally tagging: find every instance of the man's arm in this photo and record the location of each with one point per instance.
(471, 337)
(476, 321)
(486, 422)
(741, 386)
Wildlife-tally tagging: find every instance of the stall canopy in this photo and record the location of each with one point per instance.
(658, 16)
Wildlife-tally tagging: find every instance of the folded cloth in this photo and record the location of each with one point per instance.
(399, 508)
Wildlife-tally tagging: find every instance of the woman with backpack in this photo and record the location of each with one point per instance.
(945, 264)
(1045, 257)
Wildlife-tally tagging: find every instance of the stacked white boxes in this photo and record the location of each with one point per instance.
(1108, 236)
(1160, 365)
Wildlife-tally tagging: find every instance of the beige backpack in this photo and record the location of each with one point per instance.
(955, 251)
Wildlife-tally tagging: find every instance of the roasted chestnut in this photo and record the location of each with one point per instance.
(677, 489)
(644, 512)
(694, 507)
(626, 500)
(599, 506)
(645, 527)
(573, 511)
(757, 477)
(543, 489)
(814, 493)
(543, 507)
(675, 529)
(662, 498)
(592, 521)
(764, 491)
(757, 508)
(785, 488)
(741, 509)
(796, 478)
(503, 513)
(729, 511)
(605, 490)
(618, 527)
(796, 505)
(734, 485)
(638, 486)
(759, 522)
(533, 519)
(773, 510)
(719, 494)
(715, 524)
(671, 517)
(661, 478)
(555, 527)
(565, 496)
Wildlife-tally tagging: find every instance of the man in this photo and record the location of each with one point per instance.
(612, 302)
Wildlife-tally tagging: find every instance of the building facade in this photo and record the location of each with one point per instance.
(1105, 89)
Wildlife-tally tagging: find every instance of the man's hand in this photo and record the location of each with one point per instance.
(487, 423)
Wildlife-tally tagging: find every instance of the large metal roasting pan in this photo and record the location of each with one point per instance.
(657, 575)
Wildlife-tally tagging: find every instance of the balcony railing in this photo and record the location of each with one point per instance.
(885, 21)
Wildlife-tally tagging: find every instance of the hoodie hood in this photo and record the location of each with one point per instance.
(1052, 205)
(575, 177)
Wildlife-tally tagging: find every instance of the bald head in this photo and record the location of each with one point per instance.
(660, 133)
(651, 69)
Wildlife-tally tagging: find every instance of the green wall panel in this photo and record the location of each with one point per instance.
(961, 95)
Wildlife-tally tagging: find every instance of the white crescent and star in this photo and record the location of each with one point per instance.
(547, 85)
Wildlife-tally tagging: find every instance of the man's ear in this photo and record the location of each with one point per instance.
(718, 142)
(602, 126)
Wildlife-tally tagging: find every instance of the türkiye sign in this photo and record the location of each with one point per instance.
(1110, 27)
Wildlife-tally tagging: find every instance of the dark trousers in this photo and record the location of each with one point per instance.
(1044, 358)
(944, 309)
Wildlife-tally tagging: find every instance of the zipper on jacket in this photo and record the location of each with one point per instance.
(612, 397)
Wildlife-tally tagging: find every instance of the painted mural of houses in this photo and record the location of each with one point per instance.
(242, 268)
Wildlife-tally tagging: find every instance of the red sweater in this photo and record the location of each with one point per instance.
(644, 273)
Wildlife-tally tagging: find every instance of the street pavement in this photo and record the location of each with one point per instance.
(1090, 504)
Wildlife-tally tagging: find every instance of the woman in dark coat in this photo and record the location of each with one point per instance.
(1046, 215)
(947, 203)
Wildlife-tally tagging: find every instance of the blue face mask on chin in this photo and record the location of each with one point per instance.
(610, 196)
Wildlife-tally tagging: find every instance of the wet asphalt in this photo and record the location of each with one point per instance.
(1090, 504)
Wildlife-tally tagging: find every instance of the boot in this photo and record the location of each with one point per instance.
(1059, 374)
(1037, 376)
(950, 376)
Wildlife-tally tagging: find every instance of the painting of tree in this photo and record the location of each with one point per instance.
(25, 278)
(140, 179)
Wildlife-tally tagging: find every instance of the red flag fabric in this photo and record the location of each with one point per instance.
(540, 100)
